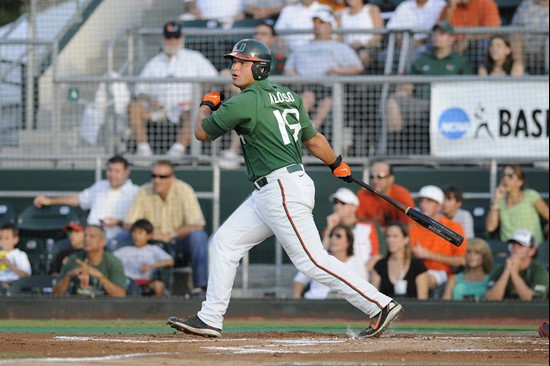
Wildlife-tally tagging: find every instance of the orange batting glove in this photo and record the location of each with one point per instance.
(213, 100)
(341, 170)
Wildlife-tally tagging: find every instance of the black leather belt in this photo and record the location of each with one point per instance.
(259, 183)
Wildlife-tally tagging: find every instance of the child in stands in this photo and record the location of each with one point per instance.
(142, 259)
(14, 263)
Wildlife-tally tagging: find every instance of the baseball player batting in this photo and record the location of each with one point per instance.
(272, 124)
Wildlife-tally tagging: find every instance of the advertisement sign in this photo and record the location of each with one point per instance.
(489, 119)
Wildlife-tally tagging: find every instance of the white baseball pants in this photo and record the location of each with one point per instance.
(283, 207)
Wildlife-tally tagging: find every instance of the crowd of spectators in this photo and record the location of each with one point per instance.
(164, 224)
(413, 262)
(419, 264)
(315, 50)
(159, 225)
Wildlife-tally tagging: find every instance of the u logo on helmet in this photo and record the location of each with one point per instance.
(241, 47)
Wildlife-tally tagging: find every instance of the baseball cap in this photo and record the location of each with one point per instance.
(75, 225)
(345, 195)
(171, 30)
(523, 237)
(444, 26)
(432, 192)
(326, 15)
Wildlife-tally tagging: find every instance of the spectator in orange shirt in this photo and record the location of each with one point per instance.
(472, 13)
(372, 207)
(437, 253)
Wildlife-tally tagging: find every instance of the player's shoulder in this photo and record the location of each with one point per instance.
(281, 93)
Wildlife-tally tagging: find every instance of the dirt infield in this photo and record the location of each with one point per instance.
(272, 348)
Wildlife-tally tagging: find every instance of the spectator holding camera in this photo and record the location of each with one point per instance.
(472, 282)
(516, 207)
(520, 277)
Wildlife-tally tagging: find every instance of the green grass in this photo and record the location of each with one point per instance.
(160, 327)
(16, 355)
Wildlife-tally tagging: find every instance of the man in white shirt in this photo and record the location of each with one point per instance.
(167, 102)
(108, 200)
(416, 15)
(298, 16)
(320, 57)
(226, 13)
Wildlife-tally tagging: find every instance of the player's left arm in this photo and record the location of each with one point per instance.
(320, 148)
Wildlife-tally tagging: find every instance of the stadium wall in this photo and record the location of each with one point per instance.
(36, 307)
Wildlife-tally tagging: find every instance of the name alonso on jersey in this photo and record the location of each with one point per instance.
(281, 97)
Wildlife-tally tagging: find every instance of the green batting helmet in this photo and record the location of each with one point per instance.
(253, 50)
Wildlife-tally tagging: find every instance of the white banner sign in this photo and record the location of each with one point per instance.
(489, 119)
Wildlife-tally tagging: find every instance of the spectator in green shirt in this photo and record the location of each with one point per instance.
(408, 110)
(520, 277)
(92, 272)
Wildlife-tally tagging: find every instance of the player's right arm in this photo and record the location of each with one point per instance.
(204, 111)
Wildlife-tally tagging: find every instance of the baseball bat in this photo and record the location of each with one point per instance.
(426, 221)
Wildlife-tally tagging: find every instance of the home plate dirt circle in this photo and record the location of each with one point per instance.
(273, 348)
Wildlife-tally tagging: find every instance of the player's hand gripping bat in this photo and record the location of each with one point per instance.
(426, 221)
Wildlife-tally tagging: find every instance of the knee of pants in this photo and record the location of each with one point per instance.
(308, 266)
(198, 241)
(198, 237)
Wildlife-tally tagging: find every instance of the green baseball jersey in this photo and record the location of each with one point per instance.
(271, 122)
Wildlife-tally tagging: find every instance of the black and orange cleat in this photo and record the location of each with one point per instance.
(382, 320)
(194, 325)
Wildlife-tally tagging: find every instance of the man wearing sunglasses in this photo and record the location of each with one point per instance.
(372, 207)
(167, 102)
(172, 206)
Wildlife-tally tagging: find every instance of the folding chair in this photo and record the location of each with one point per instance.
(7, 214)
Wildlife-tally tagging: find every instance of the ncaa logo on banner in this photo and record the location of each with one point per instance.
(453, 123)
